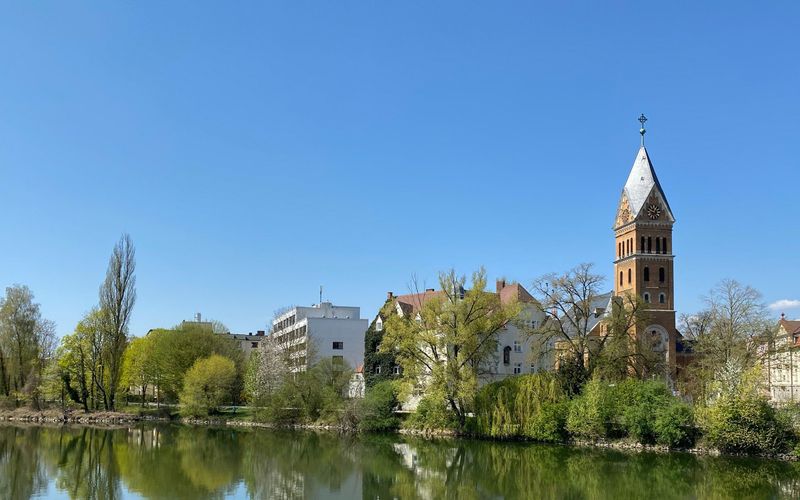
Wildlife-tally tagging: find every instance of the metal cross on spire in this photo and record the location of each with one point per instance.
(642, 131)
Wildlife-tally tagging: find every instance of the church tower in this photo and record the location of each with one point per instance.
(644, 253)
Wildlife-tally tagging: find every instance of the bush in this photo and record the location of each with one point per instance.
(530, 406)
(674, 425)
(377, 410)
(207, 385)
(746, 423)
(591, 415)
(432, 415)
(643, 410)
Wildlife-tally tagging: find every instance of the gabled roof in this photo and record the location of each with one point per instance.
(413, 302)
(641, 182)
(789, 326)
(515, 291)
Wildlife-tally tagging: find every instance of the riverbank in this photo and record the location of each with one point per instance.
(106, 418)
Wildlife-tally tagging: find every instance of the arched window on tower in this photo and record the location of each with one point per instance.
(658, 245)
(649, 244)
(646, 297)
(641, 247)
(620, 278)
(662, 274)
(647, 274)
(629, 276)
(619, 249)
(664, 246)
(662, 299)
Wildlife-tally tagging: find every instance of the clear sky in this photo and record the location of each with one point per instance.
(255, 151)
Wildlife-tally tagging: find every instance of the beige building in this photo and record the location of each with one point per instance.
(783, 366)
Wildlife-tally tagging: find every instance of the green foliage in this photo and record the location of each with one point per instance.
(176, 350)
(746, 423)
(572, 375)
(642, 410)
(207, 385)
(377, 409)
(432, 414)
(674, 425)
(447, 339)
(591, 415)
(374, 358)
(530, 406)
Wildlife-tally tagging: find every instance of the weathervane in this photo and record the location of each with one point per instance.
(642, 119)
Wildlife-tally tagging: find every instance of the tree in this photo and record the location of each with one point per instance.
(117, 297)
(27, 342)
(267, 369)
(583, 333)
(207, 385)
(138, 366)
(378, 364)
(728, 336)
(450, 340)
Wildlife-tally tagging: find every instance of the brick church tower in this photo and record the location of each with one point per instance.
(644, 253)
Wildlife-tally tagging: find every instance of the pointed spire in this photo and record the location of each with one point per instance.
(642, 180)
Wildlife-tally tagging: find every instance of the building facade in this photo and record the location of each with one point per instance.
(309, 334)
(783, 363)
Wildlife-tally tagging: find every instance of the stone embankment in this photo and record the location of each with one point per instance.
(71, 417)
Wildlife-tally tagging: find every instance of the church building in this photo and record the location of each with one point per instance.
(644, 263)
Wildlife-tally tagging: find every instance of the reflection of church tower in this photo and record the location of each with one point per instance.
(644, 263)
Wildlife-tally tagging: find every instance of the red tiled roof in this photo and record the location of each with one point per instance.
(411, 303)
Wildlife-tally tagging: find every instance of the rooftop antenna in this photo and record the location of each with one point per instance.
(642, 130)
(320, 294)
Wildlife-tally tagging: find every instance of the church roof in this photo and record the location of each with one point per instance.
(641, 182)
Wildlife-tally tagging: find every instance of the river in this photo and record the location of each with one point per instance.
(173, 461)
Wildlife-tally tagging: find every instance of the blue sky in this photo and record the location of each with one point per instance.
(257, 150)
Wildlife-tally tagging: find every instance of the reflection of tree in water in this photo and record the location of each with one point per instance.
(289, 465)
(22, 473)
(184, 462)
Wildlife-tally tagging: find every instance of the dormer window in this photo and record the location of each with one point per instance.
(379, 324)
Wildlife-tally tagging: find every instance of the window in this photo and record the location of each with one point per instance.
(517, 346)
(641, 247)
(647, 274)
(378, 370)
(378, 325)
(664, 246)
(396, 370)
(662, 274)
(649, 244)
(662, 299)
(338, 346)
(629, 276)
(506, 355)
(647, 297)
(620, 277)
(517, 368)
(533, 367)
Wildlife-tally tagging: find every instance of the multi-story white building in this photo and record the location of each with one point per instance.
(783, 363)
(321, 331)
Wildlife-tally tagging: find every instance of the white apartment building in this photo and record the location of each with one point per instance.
(321, 331)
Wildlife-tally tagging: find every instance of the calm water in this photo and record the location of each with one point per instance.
(163, 461)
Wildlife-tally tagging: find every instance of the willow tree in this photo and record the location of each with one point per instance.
(446, 341)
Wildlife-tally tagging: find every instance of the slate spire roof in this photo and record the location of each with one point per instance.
(641, 182)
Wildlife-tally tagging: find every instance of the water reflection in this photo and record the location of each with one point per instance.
(187, 462)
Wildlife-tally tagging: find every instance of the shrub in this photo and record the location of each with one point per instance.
(591, 415)
(746, 423)
(530, 406)
(377, 409)
(674, 425)
(638, 403)
(432, 415)
(206, 386)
